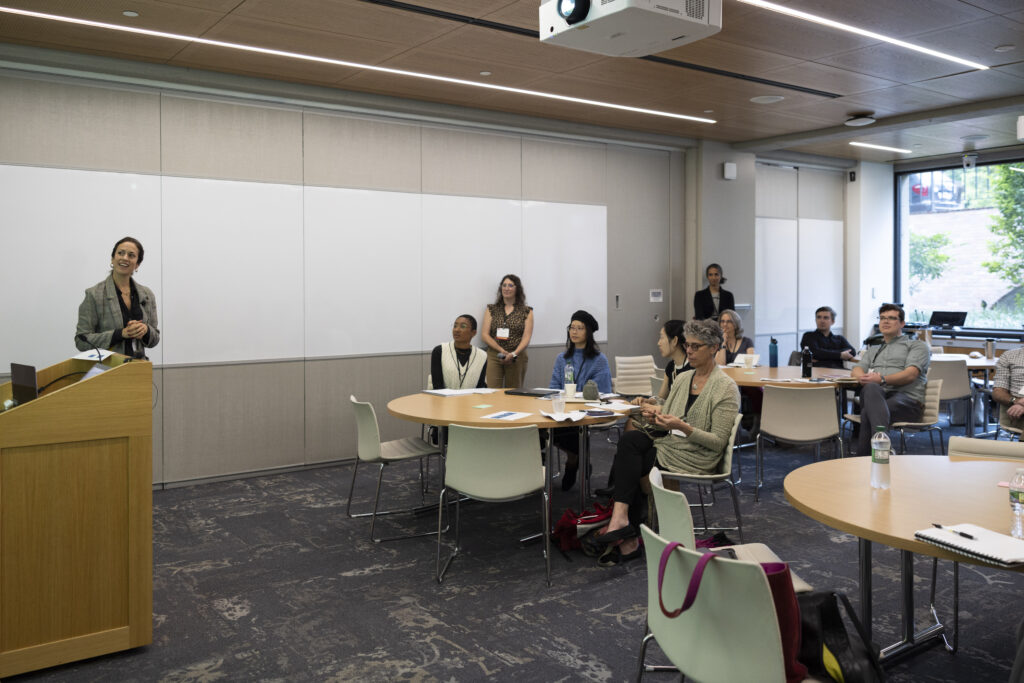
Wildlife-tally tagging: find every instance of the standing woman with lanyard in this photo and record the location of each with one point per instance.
(508, 326)
(708, 302)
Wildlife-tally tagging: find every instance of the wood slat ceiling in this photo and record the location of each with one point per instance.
(867, 76)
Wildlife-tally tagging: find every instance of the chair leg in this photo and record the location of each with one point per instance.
(757, 467)
(703, 510)
(376, 502)
(546, 532)
(903, 442)
(736, 508)
(942, 442)
(351, 489)
(442, 503)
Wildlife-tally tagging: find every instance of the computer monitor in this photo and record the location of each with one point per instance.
(23, 383)
(948, 318)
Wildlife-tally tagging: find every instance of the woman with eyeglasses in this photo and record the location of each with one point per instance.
(458, 364)
(733, 341)
(696, 421)
(508, 327)
(588, 363)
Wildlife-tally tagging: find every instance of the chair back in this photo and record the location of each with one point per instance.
(367, 431)
(631, 373)
(932, 398)
(675, 521)
(956, 383)
(984, 448)
(494, 464)
(794, 358)
(430, 381)
(799, 414)
(725, 464)
(730, 633)
(656, 384)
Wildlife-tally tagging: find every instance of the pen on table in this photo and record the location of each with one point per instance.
(959, 533)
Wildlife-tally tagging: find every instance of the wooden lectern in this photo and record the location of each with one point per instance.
(76, 516)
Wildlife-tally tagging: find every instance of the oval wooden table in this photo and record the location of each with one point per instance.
(925, 489)
(442, 411)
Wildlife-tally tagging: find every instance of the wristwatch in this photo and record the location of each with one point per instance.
(883, 380)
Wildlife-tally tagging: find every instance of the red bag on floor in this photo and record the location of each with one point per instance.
(571, 525)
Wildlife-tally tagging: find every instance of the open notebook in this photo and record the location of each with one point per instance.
(987, 545)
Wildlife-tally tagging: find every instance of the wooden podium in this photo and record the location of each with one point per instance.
(76, 516)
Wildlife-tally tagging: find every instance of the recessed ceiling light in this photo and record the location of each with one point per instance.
(130, 13)
(709, 111)
(859, 31)
(485, 73)
(1005, 48)
(767, 99)
(977, 137)
(351, 65)
(882, 147)
(859, 120)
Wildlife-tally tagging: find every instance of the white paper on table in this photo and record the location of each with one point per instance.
(91, 354)
(457, 392)
(571, 416)
(612, 405)
(506, 415)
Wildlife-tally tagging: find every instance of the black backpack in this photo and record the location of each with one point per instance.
(826, 645)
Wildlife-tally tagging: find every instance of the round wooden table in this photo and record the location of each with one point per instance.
(783, 376)
(925, 489)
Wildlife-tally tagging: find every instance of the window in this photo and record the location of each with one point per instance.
(960, 244)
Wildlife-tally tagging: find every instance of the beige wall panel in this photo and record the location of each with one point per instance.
(473, 164)
(821, 194)
(229, 419)
(639, 240)
(563, 171)
(341, 151)
(73, 126)
(209, 139)
(158, 425)
(330, 424)
(776, 192)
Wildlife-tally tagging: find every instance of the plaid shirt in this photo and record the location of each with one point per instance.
(1010, 372)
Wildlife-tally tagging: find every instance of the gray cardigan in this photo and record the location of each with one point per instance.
(712, 416)
(99, 315)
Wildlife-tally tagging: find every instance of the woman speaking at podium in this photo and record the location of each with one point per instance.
(118, 313)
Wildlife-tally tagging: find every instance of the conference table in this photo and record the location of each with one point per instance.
(471, 410)
(925, 490)
(787, 376)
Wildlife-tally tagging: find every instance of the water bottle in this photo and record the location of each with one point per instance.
(881, 449)
(569, 377)
(806, 362)
(773, 353)
(1017, 503)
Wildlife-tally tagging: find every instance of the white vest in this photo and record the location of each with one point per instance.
(470, 372)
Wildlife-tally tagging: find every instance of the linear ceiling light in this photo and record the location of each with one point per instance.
(350, 65)
(882, 147)
(859, 31)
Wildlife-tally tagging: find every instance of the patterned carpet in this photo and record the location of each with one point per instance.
(266, 579)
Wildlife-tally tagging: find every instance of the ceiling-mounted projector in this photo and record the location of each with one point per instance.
(628, 28)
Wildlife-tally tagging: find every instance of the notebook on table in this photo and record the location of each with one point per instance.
(979, 543)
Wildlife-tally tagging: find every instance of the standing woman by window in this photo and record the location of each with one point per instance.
(508, 326)
(118, 313)
(709, 301)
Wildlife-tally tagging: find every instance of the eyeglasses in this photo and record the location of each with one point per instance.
(576, 328)
(693, 347)
(889, 318)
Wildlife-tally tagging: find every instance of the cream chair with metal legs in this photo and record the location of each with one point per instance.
(730, 633)
(956, 386)
(797, 415)
(929, 420)
(722, 475)
(631, 375)
(370, 450)
(492, 465)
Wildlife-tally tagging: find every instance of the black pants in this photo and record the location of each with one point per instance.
(879, 409)
(634, 458)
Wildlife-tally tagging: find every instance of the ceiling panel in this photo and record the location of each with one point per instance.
(489, 47)
(984, 85)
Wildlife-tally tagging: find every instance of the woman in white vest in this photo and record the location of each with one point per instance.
(458, 364)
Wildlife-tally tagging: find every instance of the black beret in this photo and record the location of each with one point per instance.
(586, 319)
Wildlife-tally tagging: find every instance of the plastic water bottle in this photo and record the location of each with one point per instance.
(569, 377)
(1017, 503)
(881, 449)
(806, 362)
(773, 353)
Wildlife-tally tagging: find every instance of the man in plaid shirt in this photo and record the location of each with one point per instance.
(1008, 388)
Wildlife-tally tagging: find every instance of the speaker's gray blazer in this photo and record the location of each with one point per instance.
(99, 315)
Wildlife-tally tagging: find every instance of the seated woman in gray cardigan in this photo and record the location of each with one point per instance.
(698, 415)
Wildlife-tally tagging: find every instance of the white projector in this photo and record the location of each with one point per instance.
(628, 28)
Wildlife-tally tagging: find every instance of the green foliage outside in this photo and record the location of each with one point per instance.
(927, 258)
(1008, 226)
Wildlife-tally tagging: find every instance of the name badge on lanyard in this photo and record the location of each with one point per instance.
(502, 333)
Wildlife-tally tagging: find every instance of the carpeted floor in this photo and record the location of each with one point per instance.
(266, 579)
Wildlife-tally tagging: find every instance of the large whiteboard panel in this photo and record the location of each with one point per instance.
(566, 248)
(233, 271)
(362, 272)
(776, 279)
(821, 269)
(58, 228)
(469, 243)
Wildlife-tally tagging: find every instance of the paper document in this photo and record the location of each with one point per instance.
(91, 354)
(978, 542)
(572, 416)
(506, 415)
(457, 392)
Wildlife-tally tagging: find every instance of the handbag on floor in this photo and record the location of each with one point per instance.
(827, 648)
(787, 610)
(572, 526)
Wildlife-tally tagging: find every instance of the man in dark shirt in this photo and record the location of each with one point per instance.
(829, 350)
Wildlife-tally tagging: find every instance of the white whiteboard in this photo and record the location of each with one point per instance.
(775, 255)
(232, 287)
(57, 229)
(362, 272)
(821, 269)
